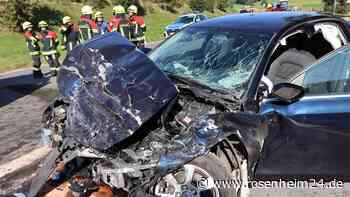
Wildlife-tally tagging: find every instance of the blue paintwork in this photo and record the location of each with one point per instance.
(177, 25)
(124, 85)
(308, 105)
(265, 22)
(308, 138)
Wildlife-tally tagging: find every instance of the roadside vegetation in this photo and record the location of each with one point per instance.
(13, 52)
(158, 14)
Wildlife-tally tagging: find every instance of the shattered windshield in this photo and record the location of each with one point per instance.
(185, 19)
(218, 58)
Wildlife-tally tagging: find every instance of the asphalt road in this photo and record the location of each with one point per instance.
(22, 101)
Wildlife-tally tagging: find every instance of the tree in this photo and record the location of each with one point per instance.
(15, 13)
(97, 3)
(223, 5)
(18, 11)
(197, 5)
(342, 6)
(209, 5)
(248, 2)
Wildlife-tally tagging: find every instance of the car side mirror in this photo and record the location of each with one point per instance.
(265, 88)
(287, 92)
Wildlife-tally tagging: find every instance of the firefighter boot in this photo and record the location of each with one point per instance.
(37, 74)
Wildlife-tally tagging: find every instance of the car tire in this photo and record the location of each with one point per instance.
(211, 169)
(289, 64)
(214, 166)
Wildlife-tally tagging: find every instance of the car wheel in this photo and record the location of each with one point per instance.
(198, 178)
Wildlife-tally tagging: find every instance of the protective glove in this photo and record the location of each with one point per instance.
(63, 29)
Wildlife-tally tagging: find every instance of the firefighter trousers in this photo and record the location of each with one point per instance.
(53, 61)
(36, 62)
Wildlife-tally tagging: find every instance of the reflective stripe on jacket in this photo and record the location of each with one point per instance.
(138, 28)
(35, 53)
(48, 39)
(69, 35)
(87, 29)
(32, 43)
(49, 52)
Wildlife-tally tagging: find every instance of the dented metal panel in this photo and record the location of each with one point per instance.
(211, 130)
(112, 88)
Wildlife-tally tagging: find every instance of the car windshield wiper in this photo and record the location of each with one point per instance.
(222, 94)
(190, 81)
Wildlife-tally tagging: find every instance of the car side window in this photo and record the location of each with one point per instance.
(202, 18)
(329, 76)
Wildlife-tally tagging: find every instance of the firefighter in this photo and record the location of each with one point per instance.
(119, 15)
(69, 34)
(278, 8)
(87, 26)
(138, 27)
(32, 41)
(49, 40)
(101, 24)
(244, 10)
(269, 8)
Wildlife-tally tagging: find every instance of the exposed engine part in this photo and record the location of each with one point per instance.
(81, 152)
(82, 186)
(187, 111)
(54, 121)
(109, 177)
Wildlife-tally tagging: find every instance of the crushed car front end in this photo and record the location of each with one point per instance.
(121, 123)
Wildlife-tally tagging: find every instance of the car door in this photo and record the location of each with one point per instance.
(202, 17)
(311, 137)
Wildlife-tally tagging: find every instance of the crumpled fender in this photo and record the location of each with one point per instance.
(211, 130)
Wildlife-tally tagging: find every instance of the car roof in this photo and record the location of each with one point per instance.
(267, 22)
(191, 14)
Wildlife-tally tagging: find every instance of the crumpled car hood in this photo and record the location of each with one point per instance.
(112, 89)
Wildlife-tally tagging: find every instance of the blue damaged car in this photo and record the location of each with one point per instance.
(182, 22)
(220, 103)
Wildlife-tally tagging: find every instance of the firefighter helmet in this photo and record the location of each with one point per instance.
(66, 19)
(27, 25)
(118, 9)
(132, 9)
(43, 24)
(98, 14)
(86, 9)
